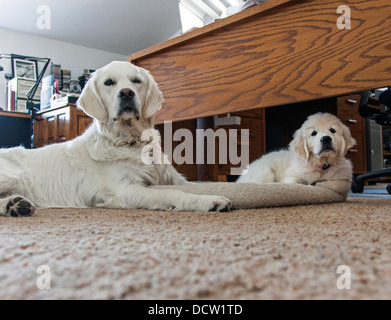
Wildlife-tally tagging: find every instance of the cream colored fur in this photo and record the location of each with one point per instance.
(302, 162)
(103, 167)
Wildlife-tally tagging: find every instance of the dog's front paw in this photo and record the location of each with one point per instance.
(221, 204)
(18, 206)
(210, 203)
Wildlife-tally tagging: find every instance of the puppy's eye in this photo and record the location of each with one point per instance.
(314, 133)
(332, 130)
(136, 81)
(109, 82)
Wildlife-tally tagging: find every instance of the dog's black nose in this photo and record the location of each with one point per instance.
(127, 102)
(326, 139)
(126, 94)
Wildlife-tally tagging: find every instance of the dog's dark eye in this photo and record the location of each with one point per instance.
(314, 133)
(332, 130)
(109, 82)
(136, 81)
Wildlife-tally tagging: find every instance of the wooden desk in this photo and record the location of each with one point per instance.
(281, 52)
(15, 114)
(276, 53)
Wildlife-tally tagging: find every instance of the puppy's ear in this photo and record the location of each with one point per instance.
(299, 145)
(347, 141)
(153, 98)
(91, 102)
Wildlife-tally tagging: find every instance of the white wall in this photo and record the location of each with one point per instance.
(71, 57)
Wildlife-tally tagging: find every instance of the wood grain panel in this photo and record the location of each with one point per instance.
(294, 53)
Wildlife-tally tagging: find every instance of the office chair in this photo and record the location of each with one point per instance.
(384, 119)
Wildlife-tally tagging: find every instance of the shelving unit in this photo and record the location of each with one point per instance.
(17, 90)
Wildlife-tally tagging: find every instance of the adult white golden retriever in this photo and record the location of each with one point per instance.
(103, 167)
(316, 156)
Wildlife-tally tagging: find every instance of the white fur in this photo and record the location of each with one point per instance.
(103, 167)
(302, 162)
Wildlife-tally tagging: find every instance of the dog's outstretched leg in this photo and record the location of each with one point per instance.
(137, 196)
(16, 206)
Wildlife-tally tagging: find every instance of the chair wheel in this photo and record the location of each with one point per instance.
(388, 188)
(357, 187)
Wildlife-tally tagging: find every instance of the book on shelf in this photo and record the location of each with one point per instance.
(66, 79)
(56, 71)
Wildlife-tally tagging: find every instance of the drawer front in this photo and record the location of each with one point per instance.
(254, 121)
(349, 115)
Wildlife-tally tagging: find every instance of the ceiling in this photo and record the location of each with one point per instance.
(120, 26)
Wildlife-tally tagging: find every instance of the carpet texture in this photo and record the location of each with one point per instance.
(270, 253)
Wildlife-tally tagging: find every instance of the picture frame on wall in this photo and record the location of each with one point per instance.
(22, 68)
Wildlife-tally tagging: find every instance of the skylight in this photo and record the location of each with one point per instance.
(197, 13)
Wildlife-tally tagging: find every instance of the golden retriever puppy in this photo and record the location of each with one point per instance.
(316, 156)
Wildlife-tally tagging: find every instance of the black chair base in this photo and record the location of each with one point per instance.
(359, 181)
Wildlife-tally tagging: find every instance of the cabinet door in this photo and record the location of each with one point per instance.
(59, 125)
(51, 129)
(62, 127)
(39, 133)
(349, 115)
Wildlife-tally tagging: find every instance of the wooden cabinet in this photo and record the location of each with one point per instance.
(59, 125)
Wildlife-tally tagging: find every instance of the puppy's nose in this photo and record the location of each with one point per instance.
(325, 139)
(126, 94)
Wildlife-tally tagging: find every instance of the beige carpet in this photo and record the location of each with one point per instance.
(270, 253)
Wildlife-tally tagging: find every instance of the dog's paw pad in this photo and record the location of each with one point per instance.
(20, 207)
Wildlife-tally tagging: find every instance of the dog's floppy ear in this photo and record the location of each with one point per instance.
(347, 141)
(299, 145)
(153, 98)
(91, 102)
